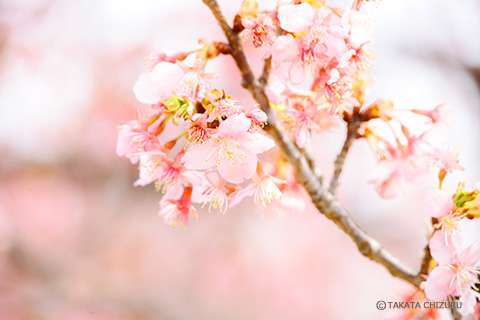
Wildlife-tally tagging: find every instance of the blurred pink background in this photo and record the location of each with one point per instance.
(78, 241)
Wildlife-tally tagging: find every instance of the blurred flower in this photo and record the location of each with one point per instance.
(295, 17)
(159, 83)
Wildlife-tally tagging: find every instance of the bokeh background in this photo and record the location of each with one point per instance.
(78, 241)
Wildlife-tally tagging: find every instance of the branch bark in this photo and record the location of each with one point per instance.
(324, 201)
(353, 124)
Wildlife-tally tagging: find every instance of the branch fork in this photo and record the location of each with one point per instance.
(301, 160)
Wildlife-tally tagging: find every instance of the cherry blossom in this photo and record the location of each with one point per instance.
(446, 158)
(263, 190)
(233, 151)
(175, 211)
(261, 30)
(159, 83)
(295, 17)
(194, 82)
(458, 277)
(135, 138)
(440, 115)
(216, 191)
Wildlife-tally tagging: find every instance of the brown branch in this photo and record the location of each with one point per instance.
(427, 255)
(427, 258)
(267, 67)
(307, 152)
(456, 314)
(353, 123)
(323, 200)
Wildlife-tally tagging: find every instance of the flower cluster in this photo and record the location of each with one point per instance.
(198, 145)
(199, 137)
(405, 154)
(201, 145)
(319, 58)
(456, 274)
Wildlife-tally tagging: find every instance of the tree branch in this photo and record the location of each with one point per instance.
(267, 67)
(427, 255)
(353, 123)
(323, 200)
(307, 152)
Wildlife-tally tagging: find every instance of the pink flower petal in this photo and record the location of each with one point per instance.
(153, 86)
(240, 168)
(471, 255)
(234, 126)
(241, 194)
(256, 142)
(285, 49)
(437, 203)
(201, 156)
(297, 73)
(440, 251)
(303, 137)
(295, 17)
(437, 287)
(468, 300)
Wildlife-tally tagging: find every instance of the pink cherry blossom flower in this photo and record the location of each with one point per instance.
(296, 17)
(258, 117)
(294, 197)
(457, 278)
(438, 204)
(263, 190)
(439, 116)
(197, 129)
(177, 211)
(150, 168)
(359, 26)
(169, 174)
(356, 59)
(155, 57)
(194, 83)
(233, 151)
(260, 30)
(267, 190)
(294, 57)
(135, 138)
(216, 191)
(287, 60)
(223, 106)
(338, 93)
(159, 83)
(391, 176)
(447, 240)
(300, 115)
(446, 158)
(357, 4)
(443, 247)
(399, 164)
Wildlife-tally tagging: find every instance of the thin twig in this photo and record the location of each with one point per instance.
(267, 67)
(323, 200)
(308, 153)
(427, 255)
(427, 258)
(353, 123)
(455, 314)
